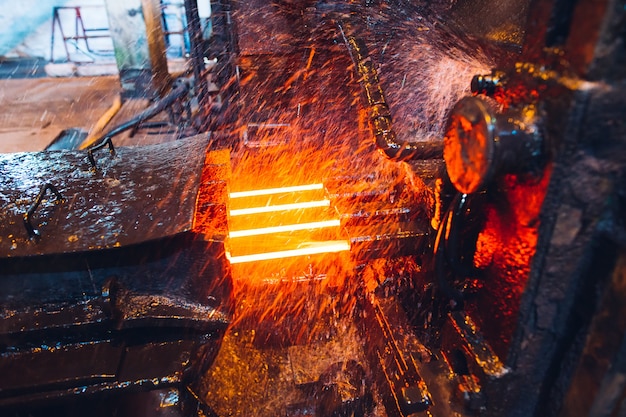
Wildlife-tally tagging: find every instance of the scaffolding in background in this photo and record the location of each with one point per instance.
(82, 34)
(83, 39)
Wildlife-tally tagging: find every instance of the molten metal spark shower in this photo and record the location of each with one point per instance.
(312, 204)
(307, 178)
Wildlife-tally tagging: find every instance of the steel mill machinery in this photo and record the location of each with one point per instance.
(358, 208)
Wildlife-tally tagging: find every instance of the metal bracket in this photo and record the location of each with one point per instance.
(106, 141)
(33, 233)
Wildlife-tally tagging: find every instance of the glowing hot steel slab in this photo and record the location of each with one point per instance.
(323, 247)
(280, 207)
(287, 222)
(284, 228)
(269, 191)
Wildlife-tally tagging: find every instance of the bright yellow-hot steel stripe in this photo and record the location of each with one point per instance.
(269, 191)
(330, 247)
(280, 207)
(284, 228)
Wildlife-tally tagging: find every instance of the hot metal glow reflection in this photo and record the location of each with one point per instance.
(284, 228)
(280, 207)
(325, 247)
(269, 191)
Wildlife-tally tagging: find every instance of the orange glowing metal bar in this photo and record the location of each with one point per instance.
(280, 207)
(284, 228)
(326, 247)
(269, 191)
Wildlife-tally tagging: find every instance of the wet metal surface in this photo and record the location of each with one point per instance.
(280, 356)
(137, 195)
(395, 354)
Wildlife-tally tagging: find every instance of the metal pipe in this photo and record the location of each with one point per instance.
(440, 257)
(194, 28)
(379, 112)
(180, 89)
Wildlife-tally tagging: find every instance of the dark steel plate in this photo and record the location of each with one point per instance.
(140, 194)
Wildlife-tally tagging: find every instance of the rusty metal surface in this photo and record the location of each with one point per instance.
(137, 195)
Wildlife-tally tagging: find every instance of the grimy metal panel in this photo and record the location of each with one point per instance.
(136, 195)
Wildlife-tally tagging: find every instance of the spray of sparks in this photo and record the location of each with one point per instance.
(301, 122)
(307, 184)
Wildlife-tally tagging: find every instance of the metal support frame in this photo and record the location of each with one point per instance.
(80, 32)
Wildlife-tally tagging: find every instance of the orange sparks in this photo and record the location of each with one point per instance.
(310, 60)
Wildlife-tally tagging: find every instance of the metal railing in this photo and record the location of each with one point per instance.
(81, 40)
